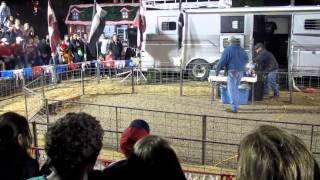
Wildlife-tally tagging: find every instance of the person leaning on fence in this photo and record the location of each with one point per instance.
(15, 140)
(153, 158)
(137, 129)
(235, 59)
(271, 153)
(72, 145)
(269, 67)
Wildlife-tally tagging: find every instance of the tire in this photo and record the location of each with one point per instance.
(198, 70)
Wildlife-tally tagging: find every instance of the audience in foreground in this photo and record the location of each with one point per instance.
(271, 153)
(73, 144)
(15, 140)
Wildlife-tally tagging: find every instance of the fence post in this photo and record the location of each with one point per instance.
(82, 82)
(98, 71)
(132, 80)
(35, 138)
(47, 110)
(290, 87)
(26, 103)
(181, 80)
(42, 86)
(204, 138)
(290, 75)
(311, 139)
(117, 129)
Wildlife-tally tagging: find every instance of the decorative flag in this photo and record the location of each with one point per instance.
(180, 26)
(54, 34)
(142, 25)
(97, 26)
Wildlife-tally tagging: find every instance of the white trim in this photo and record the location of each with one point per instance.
(258, 10)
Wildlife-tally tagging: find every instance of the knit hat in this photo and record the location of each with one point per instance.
(139, 123)
(137, 129)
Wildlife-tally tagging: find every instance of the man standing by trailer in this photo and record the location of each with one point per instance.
(234, 58)
(269, 67)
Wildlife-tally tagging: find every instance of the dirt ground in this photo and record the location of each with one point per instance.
(196, 100)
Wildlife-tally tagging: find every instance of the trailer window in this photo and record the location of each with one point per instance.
(168, 26)
(312, 24)
(226, 42)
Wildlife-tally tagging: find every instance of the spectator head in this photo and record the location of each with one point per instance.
(155, 156)
(271, 153)
(4, 41)
(125, 44)
(137, 129)
(73, 144)
(3, 4)
(17, 22)
(75, 36)
(26, 26)
(19, 40)
(85, 36)
(66, 37)
(31, 34)
(11, 18)
(115, 37)
(36, 40)
(30, 41)
(258, 47)
(102, 36)
(18, 133)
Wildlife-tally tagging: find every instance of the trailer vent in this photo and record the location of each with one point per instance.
(312, 24)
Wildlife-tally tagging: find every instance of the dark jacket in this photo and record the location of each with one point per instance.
(266, 61)
(118, 170)
(234, 57)
(15, 164)
(116, 49)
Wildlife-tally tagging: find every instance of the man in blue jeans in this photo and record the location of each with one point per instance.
(269, 68)
(234, 58)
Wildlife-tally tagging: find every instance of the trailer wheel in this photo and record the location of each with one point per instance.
(198, 69)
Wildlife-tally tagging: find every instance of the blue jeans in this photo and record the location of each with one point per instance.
(234, 78)
(271, 81)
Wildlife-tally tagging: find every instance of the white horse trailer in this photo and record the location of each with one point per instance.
(292, 33)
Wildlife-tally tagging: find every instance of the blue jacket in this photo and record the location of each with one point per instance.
(234, 57)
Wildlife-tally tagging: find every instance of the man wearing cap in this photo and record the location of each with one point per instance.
(269, 67)
(234, 58)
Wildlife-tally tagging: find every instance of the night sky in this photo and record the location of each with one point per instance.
(23, 9)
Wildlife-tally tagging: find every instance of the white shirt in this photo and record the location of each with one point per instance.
(104, 45)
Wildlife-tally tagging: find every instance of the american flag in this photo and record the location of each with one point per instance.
(54, 34)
